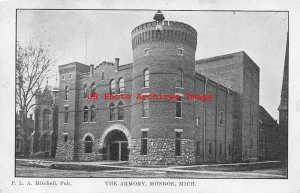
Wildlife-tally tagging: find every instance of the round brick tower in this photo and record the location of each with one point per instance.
(166, 51)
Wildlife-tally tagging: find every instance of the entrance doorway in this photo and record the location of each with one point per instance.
(116, 146)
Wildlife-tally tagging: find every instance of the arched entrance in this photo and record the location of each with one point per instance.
(115, 143)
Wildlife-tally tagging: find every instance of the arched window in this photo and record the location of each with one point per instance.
(67, 91)
(46, 119)
(93, 113)
(102, 76)
(112, 86)
(88, 144)
(121, 85)
(85, 113)
(179, 80)
(85, 91)
(120, 110)
(93, 87)
(112, 116)
(146, 78)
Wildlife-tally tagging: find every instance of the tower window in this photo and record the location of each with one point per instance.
(121, 85)
(112, 115)
(146, 106)
(180, 51)
(146, 78)
(146, 52)
(179, 107)
(85, 113)
(112, 86)
(251, 143)
(66, 114)
(177, 143)
(93, 113)
(246, 150)
(197, 121)
(144, 143)
(221, 119)
(120, 110)
(179, 80)
(67, 91)
(220, 150)
(88, 144)
(102, 76)
(85, 91)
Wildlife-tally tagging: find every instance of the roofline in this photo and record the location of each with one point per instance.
(218, 57)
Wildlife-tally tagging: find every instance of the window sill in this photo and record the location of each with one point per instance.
(145, 87)
(178, 117)
(145, 117)
(179, 87)
(111, 121)
(121, 120)
(66, 123)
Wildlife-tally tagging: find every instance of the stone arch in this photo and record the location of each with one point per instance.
(88, 134)
(115, 127)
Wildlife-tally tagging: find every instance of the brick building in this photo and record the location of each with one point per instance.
(178, 131)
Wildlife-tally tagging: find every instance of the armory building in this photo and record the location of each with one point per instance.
(181, 131)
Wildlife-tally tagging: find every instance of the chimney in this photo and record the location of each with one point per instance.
(117, 62)
(91, 69)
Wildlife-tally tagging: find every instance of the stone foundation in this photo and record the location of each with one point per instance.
(65, 150)
(161, 151)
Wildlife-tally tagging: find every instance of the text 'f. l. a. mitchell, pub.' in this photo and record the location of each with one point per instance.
(220, 126)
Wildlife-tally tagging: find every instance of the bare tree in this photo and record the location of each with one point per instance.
(33, 63)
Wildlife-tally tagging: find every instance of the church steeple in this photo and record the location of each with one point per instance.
(283, 107)
(285, 82)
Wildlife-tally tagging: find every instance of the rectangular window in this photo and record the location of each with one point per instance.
(144, 143)
(251, 143)
(198, 149)
(66, 114)
(198, 122)
(145, 108)
(246, 150)
(220, 149)
(177, 143)
(229, 150)
(65, 137)
(210, 148)
(221, 118)
(179, 107)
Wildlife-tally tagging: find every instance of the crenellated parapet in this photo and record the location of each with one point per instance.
(170, 31)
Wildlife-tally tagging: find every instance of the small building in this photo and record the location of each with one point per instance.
(269, 136)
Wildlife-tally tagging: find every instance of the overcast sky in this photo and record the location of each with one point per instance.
(262, 35)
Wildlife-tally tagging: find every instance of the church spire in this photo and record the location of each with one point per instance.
(285, 82)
